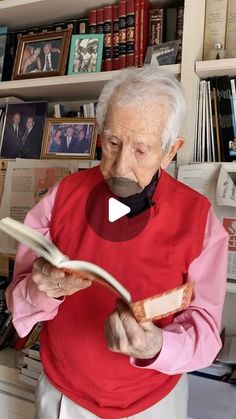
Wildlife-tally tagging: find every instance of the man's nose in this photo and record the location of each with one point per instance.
(123, 163)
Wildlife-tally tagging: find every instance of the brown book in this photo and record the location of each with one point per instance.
(156, 26)
(130, 25)
(152, 308)
(92, 20)
(108, 38)
(122, 34)
(115, 37)
(143, 30)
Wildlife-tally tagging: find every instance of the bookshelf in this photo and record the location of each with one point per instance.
(24, 13)
(63, 88)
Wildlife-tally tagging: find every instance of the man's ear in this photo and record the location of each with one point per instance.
(174, 148)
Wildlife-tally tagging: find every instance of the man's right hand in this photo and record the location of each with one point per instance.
(57, 283)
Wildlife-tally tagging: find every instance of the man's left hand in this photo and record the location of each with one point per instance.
(125, 335)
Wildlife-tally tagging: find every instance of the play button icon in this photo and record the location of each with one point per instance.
(109, 218)
(116, 210)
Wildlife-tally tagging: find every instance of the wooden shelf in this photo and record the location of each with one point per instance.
(63, 88)
(224, 67)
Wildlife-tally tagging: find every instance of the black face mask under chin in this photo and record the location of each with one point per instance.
(137, 201)
(123, 187)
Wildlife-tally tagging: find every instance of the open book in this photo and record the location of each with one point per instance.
(152, 308)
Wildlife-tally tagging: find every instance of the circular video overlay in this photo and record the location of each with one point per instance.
(109, 218)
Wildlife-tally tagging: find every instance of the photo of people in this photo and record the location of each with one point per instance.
(42, 55)
(85, 53)
(23, 130)
(69, 139)
(3, 36)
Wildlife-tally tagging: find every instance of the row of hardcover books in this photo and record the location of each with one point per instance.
(30, 365)
(130, 26)
(215, 129)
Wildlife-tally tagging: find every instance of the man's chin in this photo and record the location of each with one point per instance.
(123, 187)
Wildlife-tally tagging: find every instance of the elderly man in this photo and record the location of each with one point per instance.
(134, 370)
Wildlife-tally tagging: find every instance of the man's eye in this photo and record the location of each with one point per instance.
(113, 143)
(140, 152)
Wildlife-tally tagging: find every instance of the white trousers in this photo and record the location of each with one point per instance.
(52, 404)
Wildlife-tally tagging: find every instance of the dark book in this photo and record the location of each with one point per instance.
(9, 57)
(170, 23)
(71, 24)
(156, 26)
(143, 30)
(179, 31)
(225, 118)
(136, 32)
(99, 20)
(92, 21)
(122, 34)
(82, 25)
(115, 37)
(130, 30)
(108, 38)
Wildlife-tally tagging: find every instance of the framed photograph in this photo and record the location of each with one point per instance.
(69, 138)
(3, 38)
(42, 55)
(23, 128)
(85, 53)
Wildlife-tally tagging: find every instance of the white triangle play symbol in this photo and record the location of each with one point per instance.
(116, 210)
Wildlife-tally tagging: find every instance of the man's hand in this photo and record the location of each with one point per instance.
(125, 335)
(56, 283)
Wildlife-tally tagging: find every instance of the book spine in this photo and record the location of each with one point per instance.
(130, 24)
(215, 27)
(99, 20)
(179, 31)
(108, 38)
(92, 19)
(231, 30)
(156, 26)
(143, 30)
(122, 34)
(82, 26)
(170, 22)
(115, 37)
(136, 32)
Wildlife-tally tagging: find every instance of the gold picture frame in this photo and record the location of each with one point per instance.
(69, 138)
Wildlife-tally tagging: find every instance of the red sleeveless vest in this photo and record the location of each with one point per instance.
(73, 348)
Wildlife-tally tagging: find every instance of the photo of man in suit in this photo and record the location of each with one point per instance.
(30, 144)
(12, 137)
(49, 57)
(68, 141)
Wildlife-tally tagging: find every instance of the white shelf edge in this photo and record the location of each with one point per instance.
(210, 68)
(231, 287)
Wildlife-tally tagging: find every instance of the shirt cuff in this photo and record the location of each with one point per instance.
(40, 299)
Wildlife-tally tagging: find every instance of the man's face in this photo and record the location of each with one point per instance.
(16, 119)
(69, 132)
(29, 123)
(81, 135)
(47, 48)
(131, 143)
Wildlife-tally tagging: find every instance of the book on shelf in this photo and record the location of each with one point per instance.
(115, 31)
(156, 22)
(215, 29)
(130, 30)
(108, 38)
(30, 373)
(122, 33)
(152, 308)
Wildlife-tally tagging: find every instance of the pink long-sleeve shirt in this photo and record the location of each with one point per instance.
(187, 343)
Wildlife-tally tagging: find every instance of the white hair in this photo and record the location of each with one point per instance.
(149, 84)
